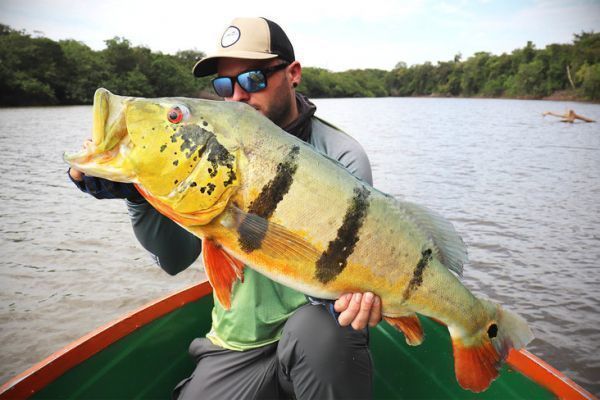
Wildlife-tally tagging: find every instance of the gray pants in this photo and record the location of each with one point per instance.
(315, 359)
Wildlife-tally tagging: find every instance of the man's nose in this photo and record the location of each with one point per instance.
(239, 94)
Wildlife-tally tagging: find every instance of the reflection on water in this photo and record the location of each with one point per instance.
(523, 191)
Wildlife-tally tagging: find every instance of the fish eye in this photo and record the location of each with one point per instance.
(176, 114)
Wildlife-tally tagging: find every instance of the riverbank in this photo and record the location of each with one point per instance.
(560, 95)
(568, 95)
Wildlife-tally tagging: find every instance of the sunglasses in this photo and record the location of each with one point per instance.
(251, 81)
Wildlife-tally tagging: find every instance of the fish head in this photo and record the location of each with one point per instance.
(168, 147)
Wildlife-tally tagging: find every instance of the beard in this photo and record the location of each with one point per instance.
(280, 106)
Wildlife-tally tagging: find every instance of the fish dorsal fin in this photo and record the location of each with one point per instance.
(222, 271)
(276, 241)
(448, 246)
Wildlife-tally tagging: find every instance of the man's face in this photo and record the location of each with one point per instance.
(274, 101)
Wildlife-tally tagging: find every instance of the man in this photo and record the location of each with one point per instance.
(274, 342)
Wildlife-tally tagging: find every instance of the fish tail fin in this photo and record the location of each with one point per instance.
(475, 364)
(410, 326)
(478, 358)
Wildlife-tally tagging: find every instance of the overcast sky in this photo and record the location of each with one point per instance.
(337, 35)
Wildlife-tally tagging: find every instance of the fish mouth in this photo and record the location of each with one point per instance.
(106, 154)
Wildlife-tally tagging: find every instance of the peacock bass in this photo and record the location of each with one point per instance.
(260, 197)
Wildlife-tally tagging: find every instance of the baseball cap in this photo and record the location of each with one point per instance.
(248, 38)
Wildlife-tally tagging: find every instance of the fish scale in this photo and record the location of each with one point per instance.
(261, 198)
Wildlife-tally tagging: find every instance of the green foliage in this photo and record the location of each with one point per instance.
(589, 75)
(318, 82)
(524, 73)
(30, 69)
(85, 70)
(530, 79)
(37, 70)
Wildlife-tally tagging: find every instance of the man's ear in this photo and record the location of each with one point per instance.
(294, 71)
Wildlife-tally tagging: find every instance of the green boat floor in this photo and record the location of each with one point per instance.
(148, 363)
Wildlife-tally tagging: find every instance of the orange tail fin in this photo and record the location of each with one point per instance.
(475, 366)
(478, 358)
(410, 326)
(222, 271)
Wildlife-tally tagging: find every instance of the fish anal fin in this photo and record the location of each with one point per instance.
(410, 326)
(222, 270)
(476, 366)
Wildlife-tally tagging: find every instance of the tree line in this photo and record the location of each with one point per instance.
(525, 73)
(41, 71)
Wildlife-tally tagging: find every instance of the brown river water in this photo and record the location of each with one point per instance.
(523, 190)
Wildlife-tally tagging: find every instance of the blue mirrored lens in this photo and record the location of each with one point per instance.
(223, 86)
(252, 81)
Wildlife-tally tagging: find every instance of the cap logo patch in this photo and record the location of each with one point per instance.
(230, 37)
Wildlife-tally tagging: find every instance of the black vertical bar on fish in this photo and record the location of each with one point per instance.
(417, 278)
(333, 260)
(265, 204)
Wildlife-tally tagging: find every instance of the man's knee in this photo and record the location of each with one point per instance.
(312, 328)
(317, 356)
(313, 334)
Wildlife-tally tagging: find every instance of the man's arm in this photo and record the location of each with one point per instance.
(174, 249)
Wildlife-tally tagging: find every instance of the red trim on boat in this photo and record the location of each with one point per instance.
(46, 371)
(547, 376)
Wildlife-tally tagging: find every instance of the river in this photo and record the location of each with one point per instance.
(523, 190)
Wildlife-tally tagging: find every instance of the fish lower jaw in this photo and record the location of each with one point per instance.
(108, 164)
(100, 170)
(110, 168)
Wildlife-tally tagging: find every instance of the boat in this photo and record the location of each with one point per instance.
(144, 355)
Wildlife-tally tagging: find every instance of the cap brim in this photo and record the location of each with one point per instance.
(208, 65)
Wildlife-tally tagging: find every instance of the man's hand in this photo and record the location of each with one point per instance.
(358, 310)
(103, 188)
(76, 175)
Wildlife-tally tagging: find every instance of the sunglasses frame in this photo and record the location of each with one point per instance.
(232, 79)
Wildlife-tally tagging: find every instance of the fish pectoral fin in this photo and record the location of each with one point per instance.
(274, 240)
(410, 326)
(222, 270)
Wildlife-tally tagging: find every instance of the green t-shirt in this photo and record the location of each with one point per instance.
(259, 306)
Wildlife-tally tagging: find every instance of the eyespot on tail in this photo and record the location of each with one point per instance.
(512, 331)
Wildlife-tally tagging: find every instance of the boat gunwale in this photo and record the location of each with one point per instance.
(52, 367)
(46, 371)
